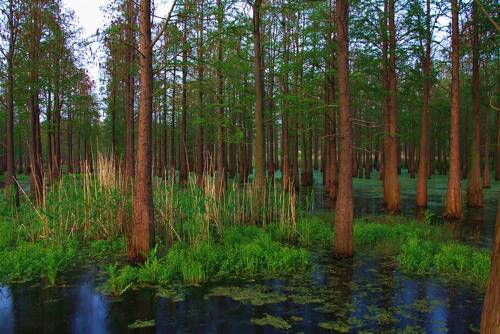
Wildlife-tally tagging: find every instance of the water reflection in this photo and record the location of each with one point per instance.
(91, 308)
(6, 311)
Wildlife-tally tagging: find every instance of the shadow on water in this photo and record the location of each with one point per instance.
(367, 293)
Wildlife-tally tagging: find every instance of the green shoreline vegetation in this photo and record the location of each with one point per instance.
(82, 223)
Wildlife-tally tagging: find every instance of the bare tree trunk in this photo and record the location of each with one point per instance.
(486, 171)
(453, 208)
(490, 320)
(142, 233)
(392, 196)
(344, 215)
(200, 161)
(497, 150)
(130, 94)
(330, 173)
(221, 168)
(37, 182)
(474, 186)
(423, 154)
(285, 148)
(260, 172)
(183, 156)
(10, 173)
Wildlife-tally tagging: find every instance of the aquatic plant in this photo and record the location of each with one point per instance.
(271, 320)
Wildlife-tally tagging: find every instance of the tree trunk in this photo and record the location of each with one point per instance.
(10, 172)
(183, 156)
(453, 208)
(392, 196)
(130, 94)
(474, 186)
(221, 168)
(486, 171)
(423, 154)
(37, 182)
(344, 215)
(172, 124)
(200, 154)
(490, 320)
(285, 148)
(142, 233)
(260, 173)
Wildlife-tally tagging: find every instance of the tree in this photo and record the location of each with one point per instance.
(474, 186)
(344, 212)
(221, 168)
(490, 320)
(130, 93)
(142, 231)
(10, 174)
(260, 172)
(423, 156)
(453, 208)
(392, 196)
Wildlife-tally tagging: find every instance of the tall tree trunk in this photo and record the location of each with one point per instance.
(474, 186)
(392, 196)
(260, 172)
(330, 173)
(10, 172)
(130, 94)
(142, 233)
(344, 215)
(200, 161)
(221, 168)
(423, 154)
(285, 148)
(183, 156)
(37, 182)
(486, 171)
(172, 124)
(497, 150)
(453, 208)
(490, 320)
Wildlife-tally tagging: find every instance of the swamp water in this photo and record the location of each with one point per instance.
(367, 294)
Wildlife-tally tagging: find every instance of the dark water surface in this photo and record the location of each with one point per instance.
(368, 294)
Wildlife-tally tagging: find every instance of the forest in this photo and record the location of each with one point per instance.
(257, 166)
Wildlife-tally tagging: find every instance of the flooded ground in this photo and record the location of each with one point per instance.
(367, 294)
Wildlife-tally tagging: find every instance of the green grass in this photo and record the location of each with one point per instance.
(85, 217)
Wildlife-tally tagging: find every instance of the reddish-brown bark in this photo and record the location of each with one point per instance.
(130, 93)
(344, 215)
(392, 196)
(453, 208)
(423, 153)
(474, 186)
(490, 320)
(142, 229)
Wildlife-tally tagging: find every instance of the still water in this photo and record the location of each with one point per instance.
(368, 294)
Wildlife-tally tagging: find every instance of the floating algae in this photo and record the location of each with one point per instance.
(142, 324)
(338, 326)
(170, 293)
(273, 321)
(253, 295)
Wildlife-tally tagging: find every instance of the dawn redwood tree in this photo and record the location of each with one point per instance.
(221, 168)
(130, 93)
(35, 149)
(285, 152)
(200, 154)
(183, 154)
(490, 321)
(10, 172)
(453, 208)
(392, 196)
(142, 229)
(330, 165)
(474, 184)
(423, 156)
(260, 172)
(344, 215)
